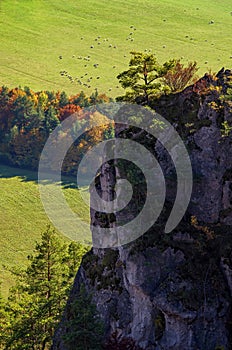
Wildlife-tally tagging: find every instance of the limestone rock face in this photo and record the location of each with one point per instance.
(173, 291)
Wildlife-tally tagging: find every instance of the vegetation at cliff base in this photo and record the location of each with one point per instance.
(36, 302)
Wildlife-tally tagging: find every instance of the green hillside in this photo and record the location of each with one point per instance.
(22, 217)
(40, 38)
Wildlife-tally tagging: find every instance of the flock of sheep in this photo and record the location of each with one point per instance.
(85, 79)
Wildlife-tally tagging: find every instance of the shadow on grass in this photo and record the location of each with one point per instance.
(7, 171)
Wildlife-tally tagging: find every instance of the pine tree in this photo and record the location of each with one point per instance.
(84, 329)
(36, 302)
(143, 78)
(63, 99)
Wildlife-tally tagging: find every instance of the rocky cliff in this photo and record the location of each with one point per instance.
(174, 291)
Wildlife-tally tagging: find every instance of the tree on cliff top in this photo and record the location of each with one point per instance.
(146, 78)
(143, 78)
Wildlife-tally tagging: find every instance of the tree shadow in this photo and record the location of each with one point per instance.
(27, 175)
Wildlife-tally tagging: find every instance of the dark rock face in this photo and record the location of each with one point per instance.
(173, 291)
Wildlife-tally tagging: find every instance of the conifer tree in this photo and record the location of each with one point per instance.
(84, 329)
(143, 78)
(37, 301)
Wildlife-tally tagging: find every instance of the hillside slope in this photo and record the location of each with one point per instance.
(41, 38)
(23, 219)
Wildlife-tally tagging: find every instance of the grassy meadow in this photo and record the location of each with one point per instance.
(23, 219)
(40, 38)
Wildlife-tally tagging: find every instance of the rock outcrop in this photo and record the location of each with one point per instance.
(174, 291)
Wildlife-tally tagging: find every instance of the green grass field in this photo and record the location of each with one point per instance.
(23, 219)
(35, 33)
